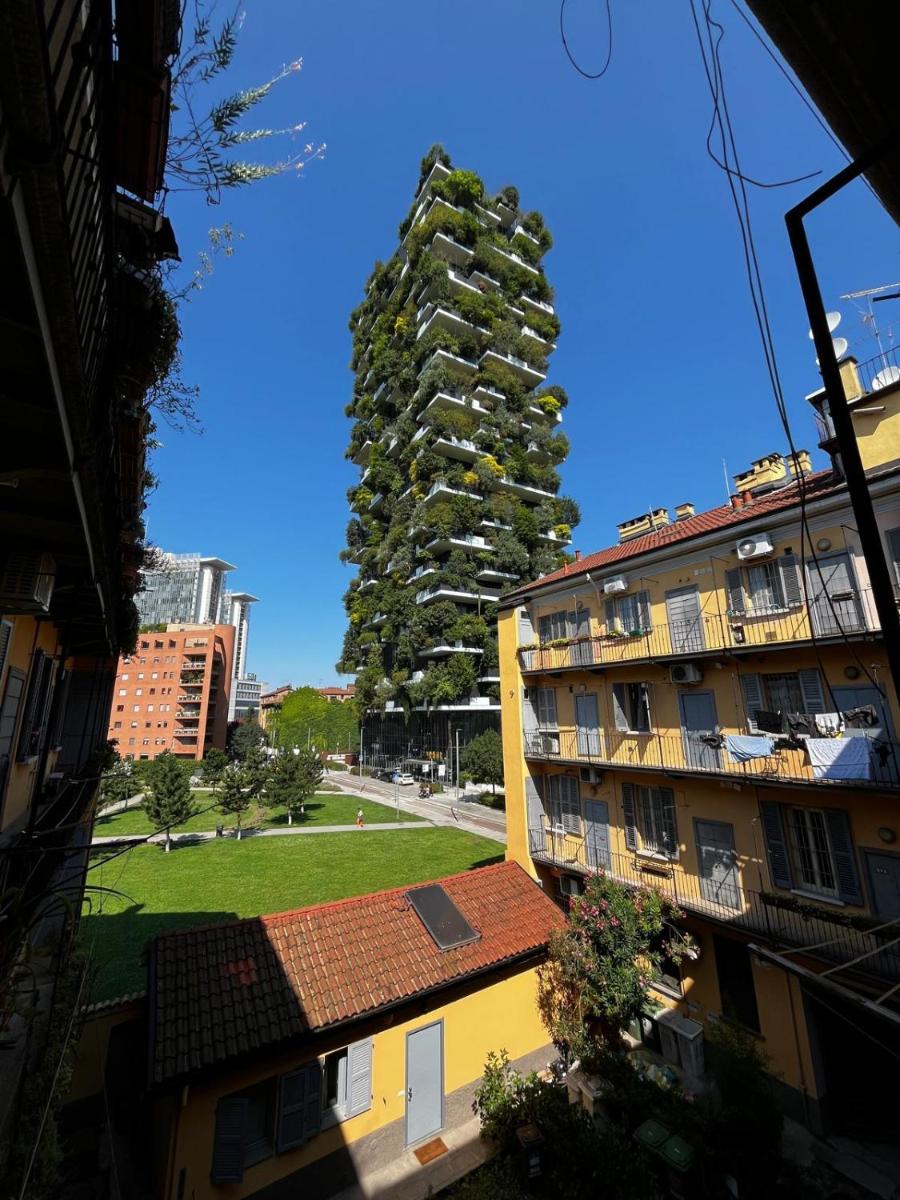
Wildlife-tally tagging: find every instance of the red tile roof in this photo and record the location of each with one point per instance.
(819, 484)
(231, 989)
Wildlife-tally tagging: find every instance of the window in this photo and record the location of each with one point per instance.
(149, 708)
(37, 704)
(131, 741)
(631, 707)
(245, 1131)
(649, 816)
(134, 724)
(564, 802)
(145, 645)
(139, 691)
(761, 588)
(627, 613)
(737, 991)
(546, 708)
(145, 742)
(136, 708)
(120, 708)
(117, 725)
(893, 541)
(140, 674)
(124, 677)
(811, 850)
(123, 691)
(668, 976)
(797, 692)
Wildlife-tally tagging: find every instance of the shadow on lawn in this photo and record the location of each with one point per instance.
(299, 818)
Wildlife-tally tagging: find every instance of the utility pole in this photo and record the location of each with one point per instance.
(857, 485)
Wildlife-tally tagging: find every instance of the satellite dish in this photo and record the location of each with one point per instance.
(885, 378)
(833, 319)
(840, 347)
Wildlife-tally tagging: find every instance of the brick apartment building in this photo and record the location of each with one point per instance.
(337, 695)
(172, 693)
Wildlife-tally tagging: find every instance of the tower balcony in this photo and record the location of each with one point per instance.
(443, 491)
(446, 649)
(535, 411)
(452, 399)
(376, 622)
(446, 247)
(443, 591)
(498, 578)
(549, 538)
(461, 366)
(361, 457)
(445, 318)
(540, 305)
(545, 344)
(517, 260)
(468, 541)
(484, 282)
(487, 216)
(460, 449)
(524, 491)
(438, 171)
(535, 454)
(488, 395)
(422, 573)
(529, 375)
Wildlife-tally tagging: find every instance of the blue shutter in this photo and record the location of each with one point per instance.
(618, 699)
(533, 804)
(228, 1140)
(628, 815)
(779, 859)
(642, 603)
(734, 586)
(359, 1077)
(751, 686)
(841, 840)
(312, 1115)
(791, 587)
(291, 1105)
(811, 687)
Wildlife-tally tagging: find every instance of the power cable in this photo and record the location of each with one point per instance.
(609, 30)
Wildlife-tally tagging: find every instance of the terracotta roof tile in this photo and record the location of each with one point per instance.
(821, 483)
(224, 990)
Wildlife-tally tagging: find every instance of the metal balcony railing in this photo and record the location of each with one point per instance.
(833, 616)
(700, 753)
(881, 371)
(727, 901)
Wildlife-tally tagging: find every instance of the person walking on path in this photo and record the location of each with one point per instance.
(360, 823)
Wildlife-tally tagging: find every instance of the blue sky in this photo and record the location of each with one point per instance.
(658, 349)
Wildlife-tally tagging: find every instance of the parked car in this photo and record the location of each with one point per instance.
(404, 778)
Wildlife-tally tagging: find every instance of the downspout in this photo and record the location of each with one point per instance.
(854, 472)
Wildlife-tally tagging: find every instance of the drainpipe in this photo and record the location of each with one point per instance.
(854, 473)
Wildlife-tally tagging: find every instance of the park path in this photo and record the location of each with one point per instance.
(208, 835)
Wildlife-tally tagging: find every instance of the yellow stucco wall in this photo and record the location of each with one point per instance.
(876, 420)
(502, 1015)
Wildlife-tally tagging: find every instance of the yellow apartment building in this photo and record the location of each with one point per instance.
(705, 708)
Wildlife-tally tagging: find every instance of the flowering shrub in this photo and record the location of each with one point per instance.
(600, 965)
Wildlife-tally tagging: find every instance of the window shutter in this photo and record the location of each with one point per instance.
(292, 1102)
(841, 839)
(618, 699)
(546, 707)
(779, 859)
(751, 686)
(610, 615)
(811, 687)
(312, 1115)
(583, 623)
(546, 627)
(35, 705)
(734, 586)
(642, 600)
(570, 803)
(665, 798)
(628, 815)
(529, 716)
(526, 629)
(228, 1141)
(645, 716)
(5, 636)
(893, 541)
(572, 624)
(791, 587)
(359, 1071)
(9, 712)
(533, 803)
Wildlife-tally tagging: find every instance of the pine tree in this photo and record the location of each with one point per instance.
(214, 766)
(234, 798)
(293, 780)
(167, 799)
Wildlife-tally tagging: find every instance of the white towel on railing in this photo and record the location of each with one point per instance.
(826, 723)
(742, 748)
(840, 758)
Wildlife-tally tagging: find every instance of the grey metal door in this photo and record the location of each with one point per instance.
(596, 836)
(885, 751)
(685, 621)
(719, 881)
(424, 1081)
(582, 651)
(833, 596)
(587, 726)
(884, 881)
(698, 725)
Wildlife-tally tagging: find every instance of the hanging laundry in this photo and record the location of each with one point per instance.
(801, 723)
(840, 758)
(828, 724)
(715, 740)
(743, 749)
(863, 717)
(769, 722)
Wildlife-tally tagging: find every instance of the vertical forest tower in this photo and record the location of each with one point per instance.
(456, 434)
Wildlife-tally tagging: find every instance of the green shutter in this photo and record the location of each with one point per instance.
(811, 687)
(228, 1140)
(776, 843)
(618, 699)
(791, 587)
(751, 686)
(841, 839)
(665, 798)
(628, 815)
(734, 586)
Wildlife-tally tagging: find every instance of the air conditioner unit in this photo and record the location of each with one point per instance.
(618, 583)
(569, 885)
(591, 775)
(682, 1041)
(26, 582)
(685, 673)
(755, 545)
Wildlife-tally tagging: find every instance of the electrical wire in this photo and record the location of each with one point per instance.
(609, 41)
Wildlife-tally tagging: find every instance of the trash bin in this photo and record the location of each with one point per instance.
(529, 1138)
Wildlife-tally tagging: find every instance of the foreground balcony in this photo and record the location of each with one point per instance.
(726, 902)
(443, 591)
(448, 248)
(529, 375)
(688, 753)
(446, 649)
(446, 318)
(827, 619)
(460, 366)
(468, 541)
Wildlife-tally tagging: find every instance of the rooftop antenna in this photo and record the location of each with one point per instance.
(868, 317)
(727, 487)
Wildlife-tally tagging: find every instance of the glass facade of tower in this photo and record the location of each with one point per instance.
(456, 434)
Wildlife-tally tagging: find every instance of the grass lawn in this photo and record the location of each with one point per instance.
(219, 880)
(322, 809)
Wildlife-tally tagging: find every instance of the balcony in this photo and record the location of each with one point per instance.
(376, 622)
(448, 248)
(880, 372)
(534, 453)
(487, 217)
(516, 260)
(187, 734)
(549, 538)
(443, 591)
(686, 753)
(488, 395)
(462, 366)
(479, 703)
(529, 375)
(545, 344)
(468, 541)
(535, 410)
(756, 912)
(540, 305)
(451, 399)
(460, 449)
(443, 491)
(422, 573)
(521, 231)
(438, 171)
(525, 491)
(445, 318)
(489, 575)
(830, 618)
(485, 283)
(377, 503)
(445, 649)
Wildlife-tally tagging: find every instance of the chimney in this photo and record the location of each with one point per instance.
(736, 502)
(647, 522)
(801, 464)
(684, 511)
(578, 556)
(763, 475)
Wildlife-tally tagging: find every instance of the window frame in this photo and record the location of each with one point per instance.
(808, 880)
(564, 803)
(631, 699)
(541, 704)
